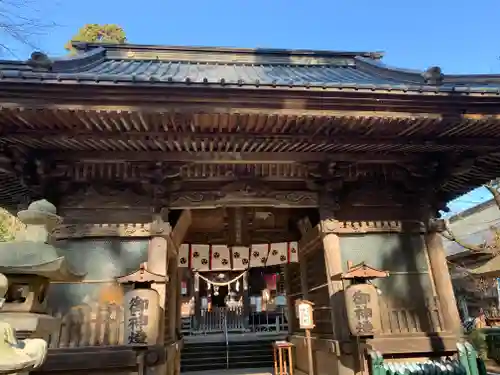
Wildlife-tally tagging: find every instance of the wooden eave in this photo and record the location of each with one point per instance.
(100, 127)
(107, 140)
(142, 275)
(209, 98)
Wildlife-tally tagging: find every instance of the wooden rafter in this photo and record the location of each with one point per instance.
(431, 143)
(229, 157)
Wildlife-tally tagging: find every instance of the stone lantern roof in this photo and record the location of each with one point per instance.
(33, 255)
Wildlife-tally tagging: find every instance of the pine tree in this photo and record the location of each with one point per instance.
(95, 33)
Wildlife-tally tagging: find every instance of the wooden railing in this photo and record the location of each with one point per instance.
(103, 325)
(232, 319)
(220, 318)
(90, 325)
(424, 317)
(269, 321)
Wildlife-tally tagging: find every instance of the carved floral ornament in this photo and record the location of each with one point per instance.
(379, 226)
(108, 230)
(246, 196)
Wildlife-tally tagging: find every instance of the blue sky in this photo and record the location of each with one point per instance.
(461, 36)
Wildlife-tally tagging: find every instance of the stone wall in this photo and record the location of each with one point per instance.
(102, 260)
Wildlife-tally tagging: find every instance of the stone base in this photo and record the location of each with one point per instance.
(31, 325)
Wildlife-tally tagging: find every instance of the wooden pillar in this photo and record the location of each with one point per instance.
(246, 302)
(303, 275)
(442, 280)
(158, 263)
(289, 305)
(178, 319)
(173, 298)
(333, 264)
(197, 301)
(180, 277)
(175, 303)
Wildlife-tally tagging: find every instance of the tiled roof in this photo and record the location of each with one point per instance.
(197, 66)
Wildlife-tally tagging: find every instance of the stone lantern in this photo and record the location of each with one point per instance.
(18, 356)
(30, 264)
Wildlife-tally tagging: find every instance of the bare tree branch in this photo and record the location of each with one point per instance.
(493, 247)
(493, 189)
(19, 23)
(448, 234)
(481, 284)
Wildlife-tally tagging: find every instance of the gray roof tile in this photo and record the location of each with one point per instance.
(111, 64)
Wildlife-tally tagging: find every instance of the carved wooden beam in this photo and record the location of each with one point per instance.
(69, 231)
(249, 198)
(229, 157)
(357, 227)
(430, 143)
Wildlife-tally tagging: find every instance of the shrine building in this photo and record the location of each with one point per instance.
(235, 183)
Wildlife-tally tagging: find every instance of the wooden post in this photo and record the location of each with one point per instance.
(306, 322)
(310, 359)
(442, 281)
(180, 274)
(303, 276)
(246, 303)
(197, 302)
(173, 299)
(180, 278)
(333, 264)
(289, 305)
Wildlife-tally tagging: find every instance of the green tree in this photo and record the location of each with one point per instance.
(95, 33)
(10, 225)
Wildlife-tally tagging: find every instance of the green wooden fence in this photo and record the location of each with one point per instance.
(466, 362)
(492, 343)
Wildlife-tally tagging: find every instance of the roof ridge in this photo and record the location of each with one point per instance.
(375, 55)
(399, 74)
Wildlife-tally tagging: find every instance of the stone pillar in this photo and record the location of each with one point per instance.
(333, 264)
(442, 279)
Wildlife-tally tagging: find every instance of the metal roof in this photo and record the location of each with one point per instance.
(99, 64)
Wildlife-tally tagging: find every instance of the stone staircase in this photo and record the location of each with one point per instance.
(254, 354)
(206, 356)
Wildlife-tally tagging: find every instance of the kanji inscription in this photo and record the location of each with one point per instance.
(141, 317)
(137, 320)
(362, 309)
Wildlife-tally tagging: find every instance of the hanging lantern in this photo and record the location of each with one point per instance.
(237, 286)
(216, 290)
